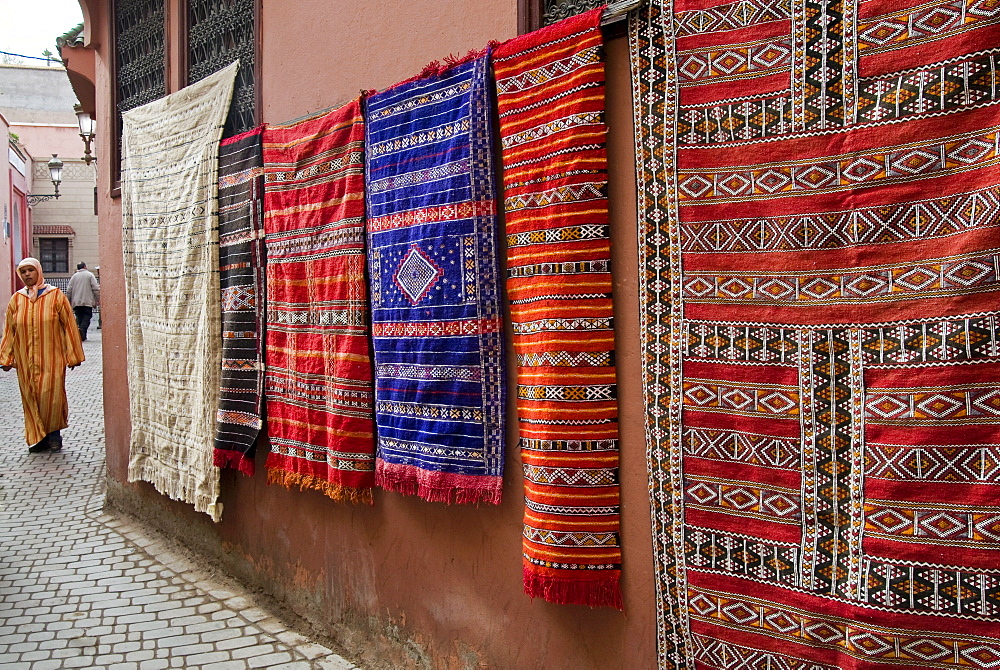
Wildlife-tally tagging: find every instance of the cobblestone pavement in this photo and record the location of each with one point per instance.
(82, 588)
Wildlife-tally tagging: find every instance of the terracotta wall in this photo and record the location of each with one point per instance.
(6, 215)
(404, 583)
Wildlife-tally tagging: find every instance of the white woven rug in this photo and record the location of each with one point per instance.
(170, 150)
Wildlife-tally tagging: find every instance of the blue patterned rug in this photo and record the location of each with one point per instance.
(437, 328)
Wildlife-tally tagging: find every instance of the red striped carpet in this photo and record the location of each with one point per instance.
(319, 378)
(550, 87)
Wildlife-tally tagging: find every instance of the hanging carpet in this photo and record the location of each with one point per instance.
(434, 273)
(170, 160)
(550, 94)
(818, 204)
(319, 379)
(241, 279)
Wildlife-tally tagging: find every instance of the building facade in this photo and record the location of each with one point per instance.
(14, 216)
(38, 103)
(404, 583)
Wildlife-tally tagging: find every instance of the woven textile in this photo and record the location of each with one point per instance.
(319, 377)
(170, 160)
(550, 94)
(818, 191)
(241, 278)
(434, 274)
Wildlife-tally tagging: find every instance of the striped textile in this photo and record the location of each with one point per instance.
(319, 378)
(40, 340)
(435, 302)
(550, 94)
(241, 278)
(170, 161)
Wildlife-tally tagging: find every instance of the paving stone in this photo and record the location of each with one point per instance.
(333, 663)
(237, 642)
(107, 659)
(191, 650)
(34, 656)
(254, 651)
(206, 627)
(126, 647)
(311, 650)
(196, 660)
(220, 635)
(141, 655)
(269, 660)
(82, 587)
(229, 665)
(49, 664)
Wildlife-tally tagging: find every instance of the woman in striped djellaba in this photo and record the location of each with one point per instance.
(40, 340)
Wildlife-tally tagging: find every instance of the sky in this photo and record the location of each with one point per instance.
(29, 27)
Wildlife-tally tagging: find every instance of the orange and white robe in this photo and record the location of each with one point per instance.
(41, 340)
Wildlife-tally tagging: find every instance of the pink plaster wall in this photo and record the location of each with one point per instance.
(316, 54)
(6, 271)
(43, 141)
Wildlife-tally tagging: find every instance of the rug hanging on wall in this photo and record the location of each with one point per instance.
(241, 279)
(170, 161)
(550, 94)
(819, 189)
(434, 272)
(319, 379)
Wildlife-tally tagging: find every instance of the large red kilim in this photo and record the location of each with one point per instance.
(550, 94)
(319, 377)
(819, 197)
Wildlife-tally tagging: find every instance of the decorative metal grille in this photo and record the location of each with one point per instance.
(219, 32)
(139, 54)
(557, 10)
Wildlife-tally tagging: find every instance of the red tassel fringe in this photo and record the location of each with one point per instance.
(448, 488)
(235, 460)
(602, 592)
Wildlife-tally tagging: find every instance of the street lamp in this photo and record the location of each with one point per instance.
(55, 173)
(86, 124)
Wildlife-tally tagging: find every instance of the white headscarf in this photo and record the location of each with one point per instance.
(40, 285)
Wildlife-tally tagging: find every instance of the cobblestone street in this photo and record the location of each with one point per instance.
(81, 588)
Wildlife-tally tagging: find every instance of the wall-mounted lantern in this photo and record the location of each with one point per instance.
(55, 173)
(86, 124)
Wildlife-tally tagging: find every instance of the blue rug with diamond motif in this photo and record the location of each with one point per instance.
(436, 312)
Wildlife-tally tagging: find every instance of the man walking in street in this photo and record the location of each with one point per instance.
(84, 294)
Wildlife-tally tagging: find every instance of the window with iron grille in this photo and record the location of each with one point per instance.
(218, 33)
(535, 14)
(139, 60)
(53, 253)
(557, 10)
(140, 72)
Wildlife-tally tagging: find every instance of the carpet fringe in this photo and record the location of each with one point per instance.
(443, 487)
(332, 490)
(236, 460)
(602, 592)
(183, 489)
